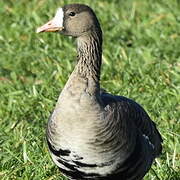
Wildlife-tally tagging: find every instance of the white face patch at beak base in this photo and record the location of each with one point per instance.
(54, 25)
(58, 18)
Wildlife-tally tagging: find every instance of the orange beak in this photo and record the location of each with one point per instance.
(50, 26)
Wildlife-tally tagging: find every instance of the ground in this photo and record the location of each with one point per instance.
(141, 60)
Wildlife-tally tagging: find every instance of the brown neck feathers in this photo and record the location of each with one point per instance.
(89, 54)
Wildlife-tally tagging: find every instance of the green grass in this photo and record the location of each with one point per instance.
(141, 60)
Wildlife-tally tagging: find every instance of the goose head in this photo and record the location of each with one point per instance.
(73, 20)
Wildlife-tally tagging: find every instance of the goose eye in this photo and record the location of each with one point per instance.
(72, 14)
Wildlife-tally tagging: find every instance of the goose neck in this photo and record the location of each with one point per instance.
(89, 47)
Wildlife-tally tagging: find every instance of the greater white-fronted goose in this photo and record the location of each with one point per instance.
(93, 134)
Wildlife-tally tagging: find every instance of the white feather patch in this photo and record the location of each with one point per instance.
(58, 18)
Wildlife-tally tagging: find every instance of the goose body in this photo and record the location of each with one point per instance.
(92, 134)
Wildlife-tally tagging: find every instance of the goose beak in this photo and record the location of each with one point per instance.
(50, 26)
(54, 25)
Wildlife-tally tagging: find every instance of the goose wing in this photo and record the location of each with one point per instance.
(129, 110)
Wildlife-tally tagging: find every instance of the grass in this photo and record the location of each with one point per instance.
(141, 60)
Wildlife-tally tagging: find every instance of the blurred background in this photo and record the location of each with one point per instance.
(141, 60)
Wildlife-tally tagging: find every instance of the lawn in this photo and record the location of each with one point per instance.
(141, 60)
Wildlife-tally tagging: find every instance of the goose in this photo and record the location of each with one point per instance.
(92, 134)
